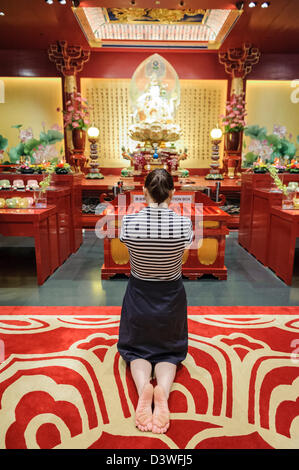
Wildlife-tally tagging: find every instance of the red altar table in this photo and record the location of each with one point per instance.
(284, 229)
(206, 258)
(263, 200)
(104, 187)
(70, 181)
(249, 182)
(61, 198)
(73, 181)
(42, 225)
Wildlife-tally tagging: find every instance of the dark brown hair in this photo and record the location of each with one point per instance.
(159, 183)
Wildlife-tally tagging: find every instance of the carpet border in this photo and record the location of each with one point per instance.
(116, 310)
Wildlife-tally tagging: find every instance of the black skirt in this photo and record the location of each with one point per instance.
(153, 324)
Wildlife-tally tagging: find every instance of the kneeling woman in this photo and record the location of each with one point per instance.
(153, 334)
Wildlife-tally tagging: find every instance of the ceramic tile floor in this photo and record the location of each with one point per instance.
(78, 281)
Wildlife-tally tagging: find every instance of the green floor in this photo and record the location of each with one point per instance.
(78, 280)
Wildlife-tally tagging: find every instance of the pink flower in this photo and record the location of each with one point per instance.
(70, 108)
(86, 121)
(75, 124)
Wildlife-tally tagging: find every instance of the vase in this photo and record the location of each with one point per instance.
(287, 200)
(232, 141)
(40, 200)
(78, 138)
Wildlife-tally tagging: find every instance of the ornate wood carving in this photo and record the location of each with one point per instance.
(69, 60)
(238, 62)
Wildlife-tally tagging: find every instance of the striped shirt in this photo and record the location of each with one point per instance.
(156, 238)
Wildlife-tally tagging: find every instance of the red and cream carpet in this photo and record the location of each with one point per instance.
(63, 384)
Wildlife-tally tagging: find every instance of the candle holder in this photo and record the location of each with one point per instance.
(216, 135)
(94, 173)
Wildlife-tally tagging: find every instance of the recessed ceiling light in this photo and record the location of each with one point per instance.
(252, 4)
(62, 2)
(49, 2)
(2, 13)
(265, 4)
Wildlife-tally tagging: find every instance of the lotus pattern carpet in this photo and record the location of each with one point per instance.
(64, 385)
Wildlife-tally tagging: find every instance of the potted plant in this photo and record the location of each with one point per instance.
(77, 119)
(234, 121)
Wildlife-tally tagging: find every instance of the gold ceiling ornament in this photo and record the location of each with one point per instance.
(128, 15)
(161, 15)
(143, 28)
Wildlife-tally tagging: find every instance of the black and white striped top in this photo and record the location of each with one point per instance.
(156, 238)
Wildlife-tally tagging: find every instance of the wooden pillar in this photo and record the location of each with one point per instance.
(238, 63)
(69, 61)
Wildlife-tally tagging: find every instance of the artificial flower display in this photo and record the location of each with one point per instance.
(234, 119)
(77, 114)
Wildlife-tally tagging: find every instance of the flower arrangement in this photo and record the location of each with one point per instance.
(41, 167)
(269, 147)
(62, 168)
(76, 115)
(26, 168)
(293, 167)
(259, 166)
(279, 167)
(234, 119)
(36, 150)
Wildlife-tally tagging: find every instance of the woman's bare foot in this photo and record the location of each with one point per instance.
(144, 414)
(161, 411)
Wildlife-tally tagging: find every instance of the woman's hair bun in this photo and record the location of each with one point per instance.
(159, 183)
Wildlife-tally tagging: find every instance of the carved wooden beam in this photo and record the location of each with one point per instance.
(69, 60)
(238, 62)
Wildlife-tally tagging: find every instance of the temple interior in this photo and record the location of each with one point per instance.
(95, 96)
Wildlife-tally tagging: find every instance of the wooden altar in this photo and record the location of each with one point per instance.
(42, 225)
(206, 258)
(250, 182)
(102, 189)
